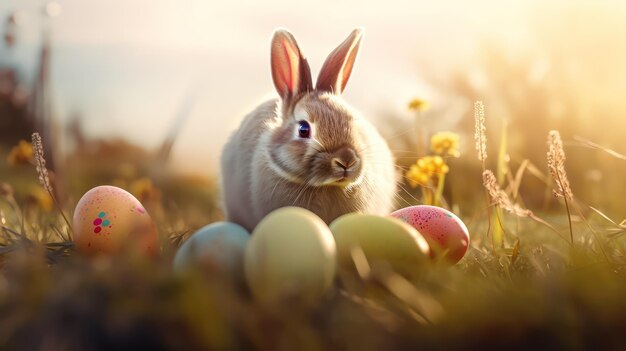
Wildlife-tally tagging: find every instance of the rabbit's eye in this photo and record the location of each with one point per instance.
(304, 129)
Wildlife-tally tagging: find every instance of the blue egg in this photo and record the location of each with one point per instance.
(221, 244)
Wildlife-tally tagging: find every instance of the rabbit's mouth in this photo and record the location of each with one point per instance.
(335, 169)
(343, 182)
(344, 179)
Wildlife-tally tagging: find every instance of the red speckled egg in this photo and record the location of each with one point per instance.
(445, 232)
(109, 220)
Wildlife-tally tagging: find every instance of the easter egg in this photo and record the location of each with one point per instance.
(291, 255)
(380, 240)
(444, 231)
(109, 220)
(221, 244)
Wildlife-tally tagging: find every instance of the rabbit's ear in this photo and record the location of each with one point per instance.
(290, 70)
(337, 68)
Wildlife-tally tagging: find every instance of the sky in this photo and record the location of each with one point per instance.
(128, 67)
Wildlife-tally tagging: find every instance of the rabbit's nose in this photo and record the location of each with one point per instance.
(345, 158)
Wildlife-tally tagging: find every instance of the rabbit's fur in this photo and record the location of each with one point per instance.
(343, 166)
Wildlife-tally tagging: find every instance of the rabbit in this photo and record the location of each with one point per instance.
(307, 148)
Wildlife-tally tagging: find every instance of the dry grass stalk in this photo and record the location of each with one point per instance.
(603, 215)
(501, 199)
(516, 182)
(592, 145)
(556, 164)
(480, 130)
(480, 136)
(40, 162)
(44, 177)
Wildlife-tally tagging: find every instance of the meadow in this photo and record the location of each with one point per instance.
(524, 146)
(551, 278)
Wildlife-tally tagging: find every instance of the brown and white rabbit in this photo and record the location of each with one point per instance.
(308, 148)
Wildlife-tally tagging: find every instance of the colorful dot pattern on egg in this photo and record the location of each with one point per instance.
(100, 222)
(102, 216)
(439, 227)
(426, 219)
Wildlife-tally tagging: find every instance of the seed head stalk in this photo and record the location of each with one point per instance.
(480, 136)
(44, 178)
(556, 164)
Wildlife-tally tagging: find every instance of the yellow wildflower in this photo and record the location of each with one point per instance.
(21, 154)
(439, 165)
(145, 190)
(425, 165)
(433, 165)
(445, 144)
(127, 170)
(6, 190)
(41, 198)
(418, 105)
(416, 176)
(424, 169)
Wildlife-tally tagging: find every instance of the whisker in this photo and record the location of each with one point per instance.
(397, 197)
(408, 193)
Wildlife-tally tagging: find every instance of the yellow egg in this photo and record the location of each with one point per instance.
(291, 255)
(109, 220)
(374, 240)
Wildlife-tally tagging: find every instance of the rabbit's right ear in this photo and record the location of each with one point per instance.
(338, 66)
(290, 70)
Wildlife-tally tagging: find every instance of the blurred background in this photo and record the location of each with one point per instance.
(143, 94)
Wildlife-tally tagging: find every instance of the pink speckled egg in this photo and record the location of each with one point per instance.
(445, 232)
(109, 220)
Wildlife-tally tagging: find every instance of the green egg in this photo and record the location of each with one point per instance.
(371, 240)
(290, 257)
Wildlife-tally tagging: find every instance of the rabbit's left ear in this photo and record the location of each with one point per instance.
(337, 68)
(290, 69)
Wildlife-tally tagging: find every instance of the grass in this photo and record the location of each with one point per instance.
(546, 295)
(535, 290)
